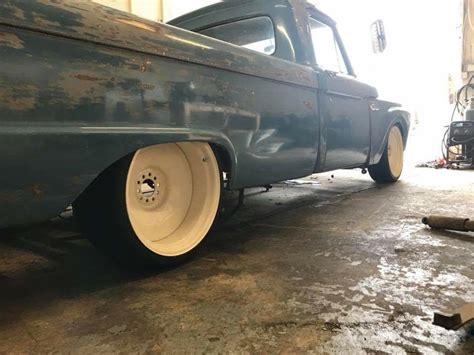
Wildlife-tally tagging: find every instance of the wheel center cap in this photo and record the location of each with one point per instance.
(148, 188)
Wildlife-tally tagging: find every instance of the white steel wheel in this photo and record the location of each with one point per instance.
(172, 194)
(395, 150)
(390, 167)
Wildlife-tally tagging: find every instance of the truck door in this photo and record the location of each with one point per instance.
(343, 100)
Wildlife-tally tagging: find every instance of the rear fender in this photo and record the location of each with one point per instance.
(64, 161)
(130, 141)
(127, 141)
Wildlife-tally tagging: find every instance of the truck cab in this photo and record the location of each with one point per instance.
(296, 31)
(247, 23)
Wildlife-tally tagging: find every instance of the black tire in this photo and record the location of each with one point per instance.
(383, 172)
(101, 212)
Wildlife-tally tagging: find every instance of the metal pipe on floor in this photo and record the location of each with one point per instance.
(450, 223)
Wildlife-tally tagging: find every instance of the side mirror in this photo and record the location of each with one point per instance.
(379, 40)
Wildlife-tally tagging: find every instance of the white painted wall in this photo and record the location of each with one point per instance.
(157, 10)
(149, 9)
(122, 5)
(468, 43)
(177, 8)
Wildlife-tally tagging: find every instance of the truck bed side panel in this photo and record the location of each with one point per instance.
(69, 109)
(87, 21)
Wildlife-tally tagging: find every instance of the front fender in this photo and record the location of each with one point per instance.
(389, 114)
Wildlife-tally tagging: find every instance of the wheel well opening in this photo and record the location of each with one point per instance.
(223, 158)
(403, 132)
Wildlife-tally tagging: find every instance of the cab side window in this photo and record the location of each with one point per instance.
(326, 48)
(255, 33)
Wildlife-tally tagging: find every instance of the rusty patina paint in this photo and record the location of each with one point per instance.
(9, 197)
(37, 190)
(19, 97)
(10, 40)
(70, 113)
(86, 77)
(86, 20)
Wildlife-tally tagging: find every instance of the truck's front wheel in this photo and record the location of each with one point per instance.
(390, 167)
(154, 206)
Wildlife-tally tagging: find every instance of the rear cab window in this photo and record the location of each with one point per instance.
(256, 33)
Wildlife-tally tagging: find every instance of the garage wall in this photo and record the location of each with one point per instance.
(468, 40)
(157, 10)
(123, 5)
(149, 9)
(176, 8)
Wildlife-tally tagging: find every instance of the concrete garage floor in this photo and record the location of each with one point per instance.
(344, 266)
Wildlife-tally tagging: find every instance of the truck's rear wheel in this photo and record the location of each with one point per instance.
(390, 167)
(155, 206)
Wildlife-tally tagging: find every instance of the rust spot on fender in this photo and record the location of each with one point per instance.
(18, 97)
(138, 24)
(86, 77)
(17, 12)
(11, 40)
(37, 190)
(8, 196)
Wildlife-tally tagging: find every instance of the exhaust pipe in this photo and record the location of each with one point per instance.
(451, 223)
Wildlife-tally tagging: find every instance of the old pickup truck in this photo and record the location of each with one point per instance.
(135, 123)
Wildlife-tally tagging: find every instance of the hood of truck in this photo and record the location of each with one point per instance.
(87, 21)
